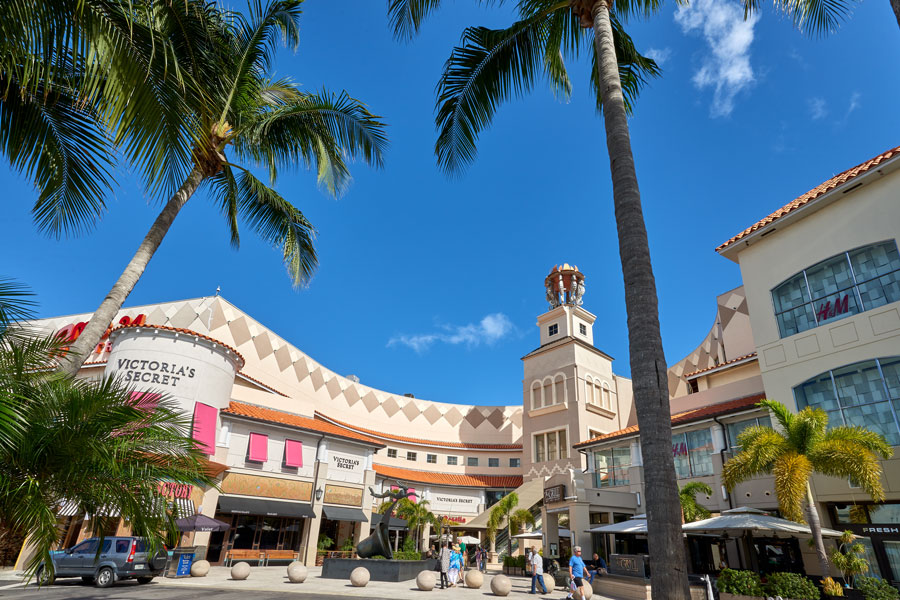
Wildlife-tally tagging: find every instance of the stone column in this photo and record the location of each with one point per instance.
(579, 523)
(551, 531)
(314, 523)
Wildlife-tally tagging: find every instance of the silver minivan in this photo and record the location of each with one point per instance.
(118, 558)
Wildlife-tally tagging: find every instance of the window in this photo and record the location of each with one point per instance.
(611, 466)
(735, 429)
(392, 453)
(582, 329)
(410, 456)
(843, 285)
(552, 445)
(553, 329)
(431, 459)
(452, 460)
(493, 462)
(472, 461)
(865, 393)
(515, 463)
(693, 453)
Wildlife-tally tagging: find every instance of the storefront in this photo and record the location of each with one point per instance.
(878, 529)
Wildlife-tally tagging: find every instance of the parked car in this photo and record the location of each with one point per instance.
(119, 558)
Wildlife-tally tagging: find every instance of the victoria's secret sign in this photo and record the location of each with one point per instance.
(154, 371)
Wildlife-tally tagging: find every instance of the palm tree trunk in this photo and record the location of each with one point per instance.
(648, 363)
(815, 525)
(895, 6)
(103, 316)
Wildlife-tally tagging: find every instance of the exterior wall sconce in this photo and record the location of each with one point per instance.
(638, 494)
(319, 493)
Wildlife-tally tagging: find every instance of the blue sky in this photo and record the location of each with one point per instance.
(431, 285)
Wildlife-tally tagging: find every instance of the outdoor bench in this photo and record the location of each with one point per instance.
(233, 555)
(281, 555)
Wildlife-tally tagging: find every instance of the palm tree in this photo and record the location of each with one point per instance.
(84, 442)
(805, 445)
(487, 69)
(234, 112)
(520, 519)
(814, 16)
(504, 513)
(417, 515)
(690, 508)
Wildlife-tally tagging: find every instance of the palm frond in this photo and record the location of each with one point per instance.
(406, 16)
(691, 509)
(791, 471)
(807, 428)
(635, 70)
(848, 458)
(16, 303)
(870, 440)
(816, 17)
(761, 447)
(782, 414)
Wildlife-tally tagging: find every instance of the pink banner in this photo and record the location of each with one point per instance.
(205, 427)
(259, 447)
(293, 453)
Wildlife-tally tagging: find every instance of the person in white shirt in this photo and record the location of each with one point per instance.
(537, 572)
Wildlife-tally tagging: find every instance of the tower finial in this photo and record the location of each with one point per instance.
(564, 285)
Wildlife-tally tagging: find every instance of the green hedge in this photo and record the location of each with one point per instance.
(514, 561)
(875, 589)
(738, 582)
(791, 585)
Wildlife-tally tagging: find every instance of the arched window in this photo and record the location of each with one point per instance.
(535, 395)
(605, 402)
(559, 387)
(865, 393)
(548, 392)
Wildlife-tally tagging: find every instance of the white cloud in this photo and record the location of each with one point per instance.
(489, 330)
(727, 69)
(855, 97)
(818, 108)
(661, 56)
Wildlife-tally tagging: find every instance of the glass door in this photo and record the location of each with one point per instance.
(892, 550)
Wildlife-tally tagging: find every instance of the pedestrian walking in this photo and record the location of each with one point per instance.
(537, 573)
(576, 571)
(455, 563)
(444, 559)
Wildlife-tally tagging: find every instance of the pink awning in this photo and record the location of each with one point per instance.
(205, 427)
(259, 447)
(293, 453)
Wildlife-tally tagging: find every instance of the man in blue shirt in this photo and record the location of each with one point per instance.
(576, 570)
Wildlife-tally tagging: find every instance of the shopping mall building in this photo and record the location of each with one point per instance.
(297, 447)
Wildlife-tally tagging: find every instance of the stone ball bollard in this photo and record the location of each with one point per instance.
(240, 571)
(584, 592)
(425, 581)
(474, 579)
(200, 568)
(359, 577)
(297, 572)
(500, 585)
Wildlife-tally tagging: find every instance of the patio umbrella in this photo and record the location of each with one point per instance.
(468, 539)
(538, 534)
(738, 521)
(201, 523)
(636, 524)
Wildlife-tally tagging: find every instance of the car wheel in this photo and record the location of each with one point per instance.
(43, 576)
(143, 580)
(87, 578)
(105, 577)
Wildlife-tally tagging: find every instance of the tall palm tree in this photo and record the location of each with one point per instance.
(417, 515)
(487, 69)
(502, 514)
(687, 498)
(84, 442)
(817, 17)
(236, 116)
(805, 445)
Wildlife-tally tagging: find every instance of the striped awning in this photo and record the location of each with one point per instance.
(68, 509)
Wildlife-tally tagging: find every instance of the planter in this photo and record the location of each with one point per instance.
(849, 594)
(725, 596)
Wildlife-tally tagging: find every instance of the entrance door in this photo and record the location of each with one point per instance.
(892, 550)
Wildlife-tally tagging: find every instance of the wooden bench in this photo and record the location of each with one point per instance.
(233, 555)
(281, 555)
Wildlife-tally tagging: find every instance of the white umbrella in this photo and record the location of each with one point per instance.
(468, 539)
(538, 534)
(636, 524)
(738, 521)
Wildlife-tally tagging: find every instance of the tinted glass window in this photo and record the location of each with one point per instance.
(86, 546)
(123, 546)
(107, 544)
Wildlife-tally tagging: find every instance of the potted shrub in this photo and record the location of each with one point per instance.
(791, 585)
(735, 584)
(873, 588)
(850, 560)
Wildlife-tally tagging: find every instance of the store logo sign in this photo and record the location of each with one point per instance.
(679, 449)
(828, 311)
(72, 331)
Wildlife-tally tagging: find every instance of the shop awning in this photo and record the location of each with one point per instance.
(337, 513)
(269, 507)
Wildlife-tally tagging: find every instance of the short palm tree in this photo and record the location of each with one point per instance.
(488, 69)
(504, 513)
(805, 445)
(520, 519)
(86, 442)
(417, 516)
(687, 497)
(236, 116)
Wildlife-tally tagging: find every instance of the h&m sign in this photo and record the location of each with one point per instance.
(555, 493)
(827, 310)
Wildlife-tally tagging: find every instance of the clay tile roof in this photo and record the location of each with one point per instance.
(186, 332)
(480, 481)
(696, 414)
(814, 193)
(412, 440)
(719, 366)
(271, 415)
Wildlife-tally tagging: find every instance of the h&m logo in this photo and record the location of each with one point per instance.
(828, 311)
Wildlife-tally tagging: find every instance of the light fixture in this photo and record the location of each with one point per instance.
(724, 493)
(638, 498)
(319, 493)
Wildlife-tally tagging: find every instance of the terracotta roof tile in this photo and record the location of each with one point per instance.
(184, 331)
(724, 364)
(814, 193)
(696, 414)
(412, 440)
(271, 415)
(481, 481)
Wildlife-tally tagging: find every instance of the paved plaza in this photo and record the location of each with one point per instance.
(264, 582)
